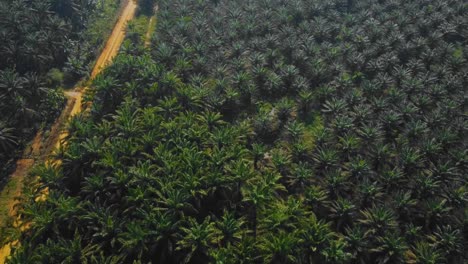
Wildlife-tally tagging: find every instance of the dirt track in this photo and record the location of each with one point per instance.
(148, 33)
(151, 25)
(115, 39)
(43, 148)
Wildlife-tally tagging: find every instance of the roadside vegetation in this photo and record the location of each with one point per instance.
(45, 46)
(299, 131)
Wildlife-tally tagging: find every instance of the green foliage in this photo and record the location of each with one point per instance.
(269, 132)
(55, 78)
(100, 25)
(45, 45)
(136, 30)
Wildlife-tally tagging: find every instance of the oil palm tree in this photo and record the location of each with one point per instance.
(342, 211)
(259, 193)
(230, 228)
(301, 177)
(378, 219)
(314, 235)
(335, 252)
(424, 253)
(279, 247)
(135, 240)
(7, 138)
(358, 242)
(197, 238)
(391, 249)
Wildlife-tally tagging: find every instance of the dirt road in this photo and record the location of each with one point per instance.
(45, 147)
(115, 39)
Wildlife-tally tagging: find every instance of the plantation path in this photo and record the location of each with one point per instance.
(40, 148)
(151, 25)
(148, 33)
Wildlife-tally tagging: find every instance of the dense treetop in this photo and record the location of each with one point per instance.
(268, 132)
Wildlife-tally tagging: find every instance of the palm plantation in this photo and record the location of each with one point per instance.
(263, 132)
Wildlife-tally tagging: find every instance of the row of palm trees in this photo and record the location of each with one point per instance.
(268, 132)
